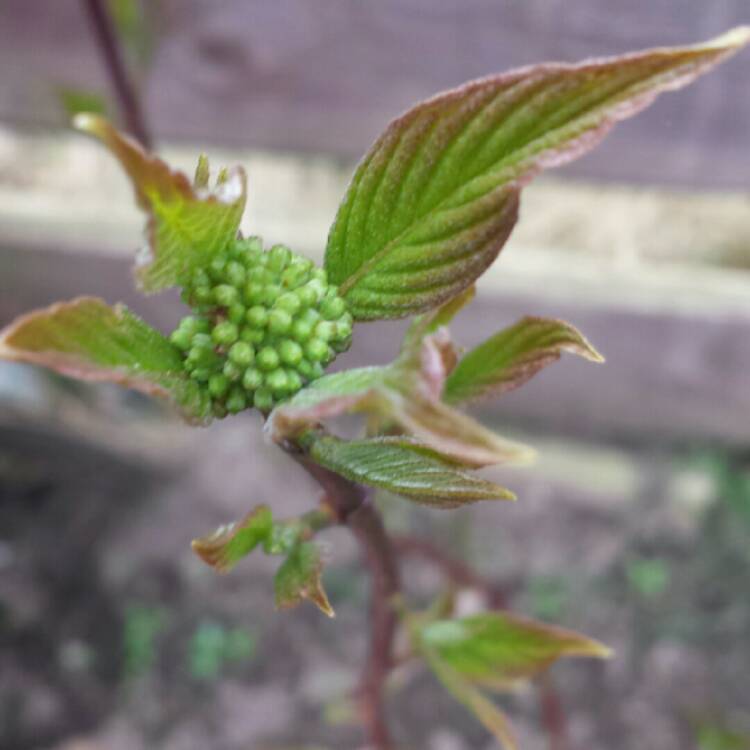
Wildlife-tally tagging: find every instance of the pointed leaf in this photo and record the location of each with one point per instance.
(187, 224)
(223, 549)
(510, 358)
(434, 200)
(87, 339)
(454, 435)
(298, 578)
(496, 649)
(407, 468)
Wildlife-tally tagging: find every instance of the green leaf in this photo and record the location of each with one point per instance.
(488, 714)
(497, 649)
(187, 224)
(407, 468)
(223, 549)
(510, 358)
(434, 200)
(87, 339)
(298, 578)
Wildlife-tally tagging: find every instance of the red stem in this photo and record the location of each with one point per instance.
(553, 714)
(106, 36)
(353, 507)
(367, 526)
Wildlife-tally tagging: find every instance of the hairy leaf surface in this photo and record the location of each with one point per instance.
(514, 355)
(434, 200)
(87, 339)
(407, 468)
(187, 224)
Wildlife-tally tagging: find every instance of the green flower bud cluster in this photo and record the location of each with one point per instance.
(266, 323)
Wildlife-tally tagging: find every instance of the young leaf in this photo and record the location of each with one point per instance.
(432, 203)
(407, 468)
(511, 357)
(395, 394)
(87, 339)
(329, 396)
(223, 549)
(427, 350)
(489, 715)
(298, 578)
(496, 649)
(187, 225)
(454, 435)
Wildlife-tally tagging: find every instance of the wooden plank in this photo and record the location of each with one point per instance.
(326, 76)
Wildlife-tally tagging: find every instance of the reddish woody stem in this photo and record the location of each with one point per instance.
(367, 526)
(351, 504)
(553, 714)
(125, 92)
(353, 507)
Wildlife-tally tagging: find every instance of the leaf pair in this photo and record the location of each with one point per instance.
(298, 577)
(495, 651)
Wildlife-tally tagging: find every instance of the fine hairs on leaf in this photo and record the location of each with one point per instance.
(428, 209)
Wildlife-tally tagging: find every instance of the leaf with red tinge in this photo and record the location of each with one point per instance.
(403, 397)
(87, 339)
(223, 549)
(407, 468)
(187, 223)
(497, 649)
(298, 578)
(511, 357)
(434, 200)
(454, 435)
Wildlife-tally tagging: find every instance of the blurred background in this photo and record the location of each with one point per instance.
(634, 526)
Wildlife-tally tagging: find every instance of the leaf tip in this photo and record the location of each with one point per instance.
(91, 124)
(735, 38)
(209, 554)
(593, 355)
(600, 651)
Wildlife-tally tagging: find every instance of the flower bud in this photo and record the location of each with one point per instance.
(266, 324)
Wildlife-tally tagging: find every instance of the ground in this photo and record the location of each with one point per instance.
(113, 635)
